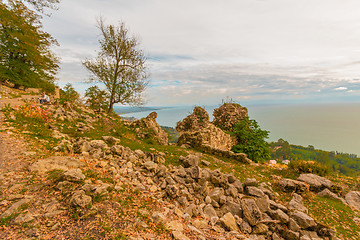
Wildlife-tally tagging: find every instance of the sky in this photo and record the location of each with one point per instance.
(202, 51)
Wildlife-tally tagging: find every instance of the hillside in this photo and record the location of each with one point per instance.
(70, 173)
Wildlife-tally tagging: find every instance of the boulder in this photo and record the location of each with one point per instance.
(316, 182)
(290, 185)
(190, 160)
(228, 221)
(353, 199)
(328, 194)
(14, 208)
(296, 203)
(302, 219)
(73, 175)
(55, 162)
(79, 198)
(251, 211)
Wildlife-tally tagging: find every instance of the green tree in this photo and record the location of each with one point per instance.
(251, 140)
(120, 66)
(69, 94)
(25, 56)
(96, 98)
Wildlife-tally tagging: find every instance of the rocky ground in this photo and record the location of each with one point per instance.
(85, 188)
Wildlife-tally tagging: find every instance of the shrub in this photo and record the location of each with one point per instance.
(97, 98)
(251, 140)
(68, 94)
(302, 166)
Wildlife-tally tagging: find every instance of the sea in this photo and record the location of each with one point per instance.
(330, 127)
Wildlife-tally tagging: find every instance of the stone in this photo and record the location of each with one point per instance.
(316, 182)
(158, 218)
(190, 160)
(200, 223)
(250, 182)
(24, 218)
(328, 194)
(205, 163)
(254, 191)
(302, 219)
(209, 211)
(73, 175)
(174, 226)
(290, 185)
(293, 226)
(172, 190)
(353, 199)
(177, 235)
(79, 198)
(111, 140)
(260, 229)
(216, 193)
(251, 211)
(243, 225)
(55, 162)
(151, 166)
(228, 221)
(98, 144)
(296, 203)
(263, 204)
(279, 215)
(15, 207)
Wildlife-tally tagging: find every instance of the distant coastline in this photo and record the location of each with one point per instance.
(330, 127)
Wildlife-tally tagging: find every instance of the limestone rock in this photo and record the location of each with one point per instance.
(179, 235)
(190, 160)
(316, 182)
(55, 162)
(79, 198)
(14, 208)
(328, 194)
(296, 203)
(290, 185)
(158, 218)
(73, 175)
(353, 199)
(228, 221)
(302, 219)
(209, 211)
(111, 140)
(251, 211)
(24, 218)
(227, 115)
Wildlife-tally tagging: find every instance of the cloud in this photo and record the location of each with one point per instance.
(340, 89)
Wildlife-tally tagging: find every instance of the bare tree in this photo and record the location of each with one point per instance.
(120, 65)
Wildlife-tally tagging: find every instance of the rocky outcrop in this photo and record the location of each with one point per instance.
(229, 114)
(353, 199)
(196, 131)
(148, 128)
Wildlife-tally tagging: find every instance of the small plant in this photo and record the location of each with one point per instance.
(55, 175)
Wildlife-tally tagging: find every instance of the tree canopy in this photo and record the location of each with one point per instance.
(25, 56)
(120, 65)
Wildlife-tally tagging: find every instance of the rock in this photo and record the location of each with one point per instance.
(251, 211)
(98, 144)
(243, 225)
(229, 114)
(293, 226)
(174, 226)
(179, 235)
(296, 203)
(279, 215)
(111, 140)
(254, 191)
(328, 194)
(73, 175)
(24, 218)
(302, 219)
(151, 166)
(228, 221)
(260, 229)
(200, 223)
(290, 185)
(15, 207)
(148, 127)
(79, 198)
(190, 160)
(216, 193)
(205, 163)
(209, 211)
(316, 182)
(158, 218)
(263, 204)
(55, 162)
(250, 182)
(353, 199)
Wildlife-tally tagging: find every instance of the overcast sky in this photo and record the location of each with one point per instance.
(201, 51)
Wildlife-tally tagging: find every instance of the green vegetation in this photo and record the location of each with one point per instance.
(251, 140)
(347, 164)
(96, 98)
(69, 94)
(25, 56)
(301, 166)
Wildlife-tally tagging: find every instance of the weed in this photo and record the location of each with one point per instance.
(55, 175)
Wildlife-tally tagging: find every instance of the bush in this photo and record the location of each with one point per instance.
(302, 166)
(251, 140)
(68, 94)
(97, 98)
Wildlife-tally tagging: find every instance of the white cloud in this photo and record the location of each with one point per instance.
(340, 88)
